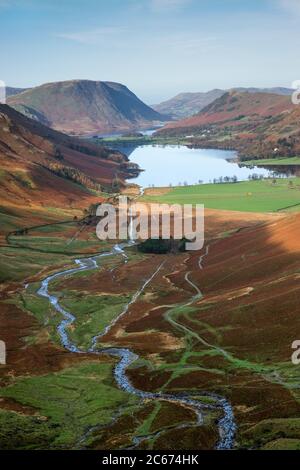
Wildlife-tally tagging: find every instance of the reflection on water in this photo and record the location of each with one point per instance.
(287, 171)
(165, 165)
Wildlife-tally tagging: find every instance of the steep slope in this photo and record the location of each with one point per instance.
(233, 107)
(85, 107)
(41, 168)
(256, 124)
(187, 104)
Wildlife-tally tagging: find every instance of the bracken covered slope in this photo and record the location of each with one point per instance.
(42, 167)
(258, 125)
(185, 105)
(233, 108)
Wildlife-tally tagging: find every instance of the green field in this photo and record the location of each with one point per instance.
(248, 196)
(144, 140)
(273, 161)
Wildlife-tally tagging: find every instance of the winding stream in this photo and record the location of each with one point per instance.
(226, 424)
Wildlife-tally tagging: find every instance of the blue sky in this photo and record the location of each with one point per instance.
(158, 48)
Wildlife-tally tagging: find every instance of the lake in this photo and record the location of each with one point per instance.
(165, 165)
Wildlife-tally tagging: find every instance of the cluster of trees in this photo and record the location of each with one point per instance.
(57, 154)
(130, 167)
(117, 184)
(73, 174)
(255, 177)
(225, 179)
(263, 149)
(96, 151)
(160, 246)
(22, 231)
(185, 183)
(287, 146)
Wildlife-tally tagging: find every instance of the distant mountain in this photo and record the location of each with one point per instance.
(187, 104)
(10, 91)
(236, 108)
(275, 90)
(85, 107)
(258, 125)
(41, 167)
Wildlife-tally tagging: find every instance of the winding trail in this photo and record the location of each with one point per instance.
(226, 424)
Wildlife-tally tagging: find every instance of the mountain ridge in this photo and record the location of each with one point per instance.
(11, 91)
(85, 107)
(187, 104)
(258, 126)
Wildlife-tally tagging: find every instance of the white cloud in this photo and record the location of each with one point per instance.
(94, 36)
(169, 4)
(191, 43)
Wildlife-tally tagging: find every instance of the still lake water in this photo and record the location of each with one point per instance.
(165, 165)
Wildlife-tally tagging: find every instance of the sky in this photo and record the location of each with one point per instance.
(157, 48)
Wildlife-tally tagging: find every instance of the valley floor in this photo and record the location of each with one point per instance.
(268, 195)
(221, 324)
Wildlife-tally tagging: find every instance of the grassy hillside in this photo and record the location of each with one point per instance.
(275, 161)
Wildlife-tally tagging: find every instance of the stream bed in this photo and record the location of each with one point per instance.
(126, 357)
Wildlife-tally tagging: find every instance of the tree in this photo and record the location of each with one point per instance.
(116, 184)
(57, 154)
